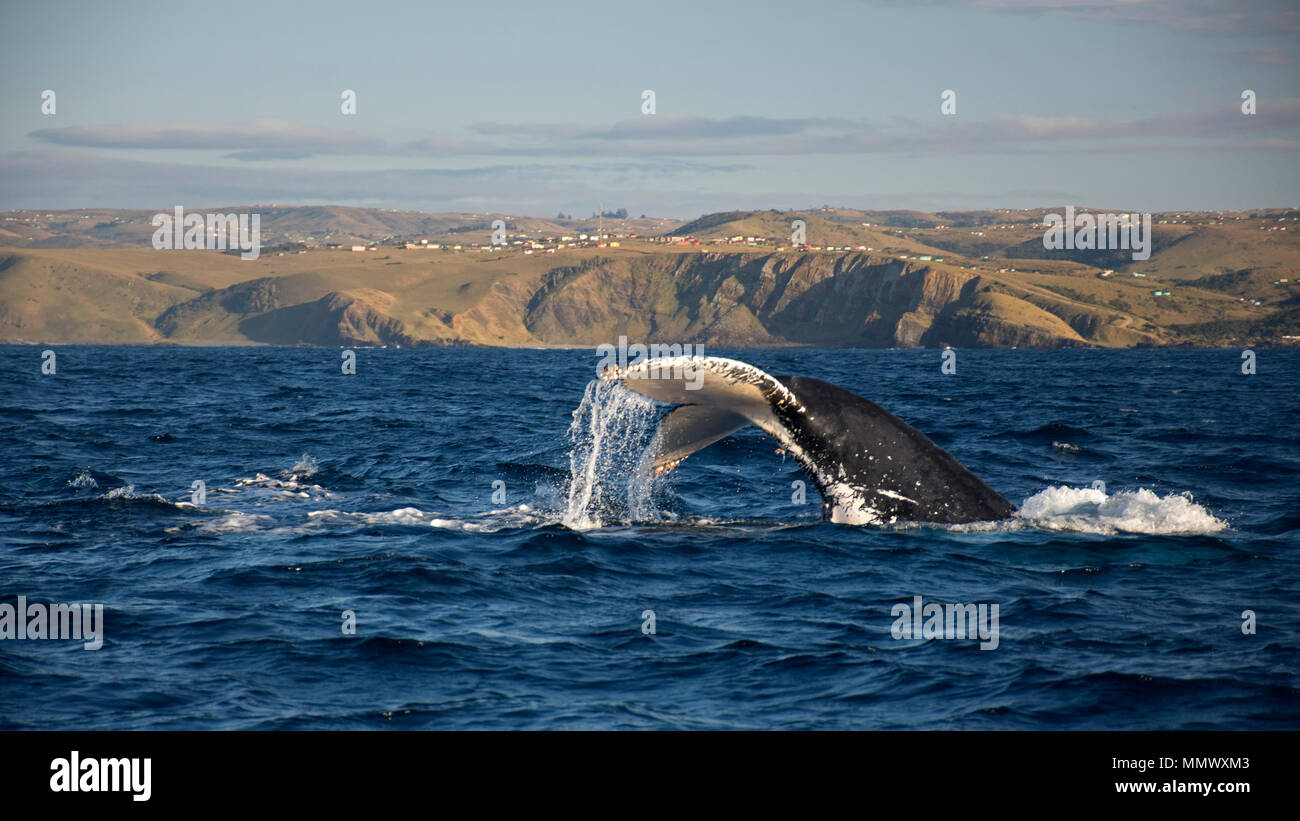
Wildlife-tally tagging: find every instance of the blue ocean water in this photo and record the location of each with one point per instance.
(374, 493)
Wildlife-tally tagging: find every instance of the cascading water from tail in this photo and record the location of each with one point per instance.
(612, 431)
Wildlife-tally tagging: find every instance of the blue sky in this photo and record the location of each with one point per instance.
(534, 108)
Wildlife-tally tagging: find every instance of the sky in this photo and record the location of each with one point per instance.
(539, 108)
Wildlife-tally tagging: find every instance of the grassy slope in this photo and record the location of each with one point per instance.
(819, 230)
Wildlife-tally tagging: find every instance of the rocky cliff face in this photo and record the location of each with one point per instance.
(716, 299)
(748, 300)
(254, 310)
(359, 317)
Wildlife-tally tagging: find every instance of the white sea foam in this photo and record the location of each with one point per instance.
(1089, 510)
(127, 492)
(1077, 510)
(400, 516)
(490, 522)
(234, 522)
(279, 487)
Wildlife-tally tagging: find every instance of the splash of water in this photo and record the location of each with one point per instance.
(1088, 510)
(611, 434)
(304, 468)
(83, 480)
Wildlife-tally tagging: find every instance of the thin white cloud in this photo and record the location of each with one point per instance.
(1223, 129)
(1211, 16)
(62, 178)
(256, 139)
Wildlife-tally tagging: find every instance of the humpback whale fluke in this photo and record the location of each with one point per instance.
(870, 466)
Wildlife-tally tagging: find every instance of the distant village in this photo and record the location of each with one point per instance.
(550, 244)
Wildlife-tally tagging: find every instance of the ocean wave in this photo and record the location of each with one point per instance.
(127, 493)
(1053, 431)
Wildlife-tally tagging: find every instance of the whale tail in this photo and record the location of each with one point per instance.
(870, 466)
(688, 428)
